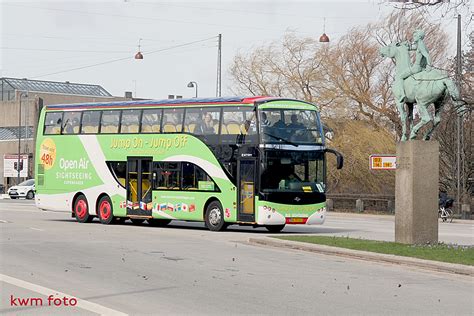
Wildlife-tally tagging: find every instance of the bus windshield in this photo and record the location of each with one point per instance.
(290, 126)
(293, 171)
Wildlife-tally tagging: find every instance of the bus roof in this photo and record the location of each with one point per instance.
(166, 102)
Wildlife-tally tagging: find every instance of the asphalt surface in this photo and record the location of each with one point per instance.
(185, 269)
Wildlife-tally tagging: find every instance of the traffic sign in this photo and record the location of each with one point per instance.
(382, 162)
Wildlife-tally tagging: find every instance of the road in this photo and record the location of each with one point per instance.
(185, 269)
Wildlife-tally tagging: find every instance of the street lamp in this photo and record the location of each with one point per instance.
(22, 94)
(139, 54)
(324, 38)
(193, 84)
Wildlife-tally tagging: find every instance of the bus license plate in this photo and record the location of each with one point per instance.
(296, 220)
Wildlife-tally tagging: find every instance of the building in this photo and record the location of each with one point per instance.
(24, 98)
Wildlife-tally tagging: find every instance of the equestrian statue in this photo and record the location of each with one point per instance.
(419, 83)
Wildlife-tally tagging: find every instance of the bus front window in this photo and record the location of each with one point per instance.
(293, 172)
(290, 126)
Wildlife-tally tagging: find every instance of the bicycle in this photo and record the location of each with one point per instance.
(445, 211)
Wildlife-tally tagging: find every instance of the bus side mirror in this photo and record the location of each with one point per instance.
(339, 157)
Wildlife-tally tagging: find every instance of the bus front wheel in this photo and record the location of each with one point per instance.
(275, 228)
(81, 210)
(214, 217)
(105, 210)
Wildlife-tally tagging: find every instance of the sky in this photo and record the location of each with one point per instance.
(95, 41)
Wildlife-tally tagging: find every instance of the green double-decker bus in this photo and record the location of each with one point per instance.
(251, 161)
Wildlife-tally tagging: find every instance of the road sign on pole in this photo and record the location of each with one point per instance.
(10, 166)
(382, 162)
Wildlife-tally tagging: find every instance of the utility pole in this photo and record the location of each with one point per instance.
(458, 118)
(219, 67)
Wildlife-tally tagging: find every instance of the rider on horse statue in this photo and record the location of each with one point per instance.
(422, 60)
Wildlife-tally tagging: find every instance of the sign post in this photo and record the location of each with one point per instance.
(11, 166)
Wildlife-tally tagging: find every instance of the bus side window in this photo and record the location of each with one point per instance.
(90, 122)
(52, 123)
(172, 120)
(168, 175)
(194, 178)
(109, 122)
(130, 121)
(71, 122)
(151, 121)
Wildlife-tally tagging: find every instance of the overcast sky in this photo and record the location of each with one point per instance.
(47, 40)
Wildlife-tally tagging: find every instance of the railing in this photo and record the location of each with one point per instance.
(361, 202)
(378, 203)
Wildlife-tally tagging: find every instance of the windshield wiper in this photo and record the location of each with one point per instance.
(286, 141)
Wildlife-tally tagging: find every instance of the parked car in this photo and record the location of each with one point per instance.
(25, 189)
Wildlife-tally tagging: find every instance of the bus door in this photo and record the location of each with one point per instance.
(139, 186)
(246, 171)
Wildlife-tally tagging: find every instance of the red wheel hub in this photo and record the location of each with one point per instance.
(105, 210)
(81, 208)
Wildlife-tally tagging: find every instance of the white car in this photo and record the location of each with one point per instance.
(25, 189)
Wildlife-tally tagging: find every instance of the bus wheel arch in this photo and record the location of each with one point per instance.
(80, 208)
(104, 209)
(214, 215)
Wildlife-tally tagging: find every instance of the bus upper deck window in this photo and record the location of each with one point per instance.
(52, 123)
(90, 122)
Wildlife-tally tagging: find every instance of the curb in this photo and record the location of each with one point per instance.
(365, 255)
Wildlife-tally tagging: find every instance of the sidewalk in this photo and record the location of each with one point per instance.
(388, 217)
(365, 255)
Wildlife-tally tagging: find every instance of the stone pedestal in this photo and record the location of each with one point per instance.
(416, 192)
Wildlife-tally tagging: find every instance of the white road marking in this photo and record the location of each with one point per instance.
(38, 229)
(92, 307)
(3, 221)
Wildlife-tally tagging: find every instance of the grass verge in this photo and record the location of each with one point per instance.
(441, 252)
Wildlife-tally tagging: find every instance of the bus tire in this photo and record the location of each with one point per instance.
(81, 210)
(155, 222)
(105, 210)
(275, 228)
(30, 195)
(214, 217)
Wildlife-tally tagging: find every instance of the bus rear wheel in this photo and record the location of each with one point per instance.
(214, 217)
(275, 228)
(105, 210)
(155, 222)
(81, 210)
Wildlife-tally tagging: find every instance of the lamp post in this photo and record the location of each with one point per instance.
(22, 94)
(193, 84)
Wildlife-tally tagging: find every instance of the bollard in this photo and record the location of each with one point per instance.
(329, 205)
(391, 206)
(359, 205)
(466, 211)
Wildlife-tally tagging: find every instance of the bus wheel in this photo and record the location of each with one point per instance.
(105, 211)
(137, 221)
(214, 217)
(158, 222)
(274, 228)
(81, 209)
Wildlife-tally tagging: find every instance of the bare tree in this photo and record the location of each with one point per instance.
(357, 140)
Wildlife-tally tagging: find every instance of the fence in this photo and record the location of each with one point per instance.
(378, 203)
(361, 202)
